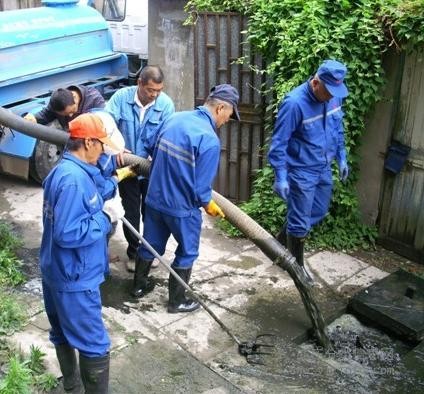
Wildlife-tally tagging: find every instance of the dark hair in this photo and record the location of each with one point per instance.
(75, 144)
(153, 73)
(60, 99)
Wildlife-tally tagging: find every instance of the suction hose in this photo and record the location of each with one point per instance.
(252, 230)
(45, 133)
(268, 244)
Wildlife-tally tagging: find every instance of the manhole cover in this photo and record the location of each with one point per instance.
(395, 304)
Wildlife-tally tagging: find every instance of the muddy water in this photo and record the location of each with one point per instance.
(311, 307)
(116, 294)
(362, 360)
(280, 256)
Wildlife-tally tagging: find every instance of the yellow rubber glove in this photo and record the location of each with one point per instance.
(30, 117)
(125, 172)
(214, 209)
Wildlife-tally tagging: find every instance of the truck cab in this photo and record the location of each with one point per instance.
(128, 24)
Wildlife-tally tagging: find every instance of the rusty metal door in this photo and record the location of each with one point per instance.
(402, 203)
(218, 44)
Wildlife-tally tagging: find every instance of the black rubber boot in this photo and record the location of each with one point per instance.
(296, 246)
(142, 284)
(281, 237)
(95, 374)
(68, 366)
(177, 300)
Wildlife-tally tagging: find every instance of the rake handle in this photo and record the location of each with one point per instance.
(180, 281)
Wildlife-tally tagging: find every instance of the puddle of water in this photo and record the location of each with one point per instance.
(116, 293)
(33, 286)
(362, 360)
(245, 263)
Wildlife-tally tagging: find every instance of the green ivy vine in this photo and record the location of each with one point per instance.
(294, 37)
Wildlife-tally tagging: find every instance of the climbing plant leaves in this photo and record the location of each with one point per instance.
(294, 37)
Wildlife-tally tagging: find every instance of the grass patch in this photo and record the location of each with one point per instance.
(10, 273)
(25, 375)
(13, 314)
(8, 240)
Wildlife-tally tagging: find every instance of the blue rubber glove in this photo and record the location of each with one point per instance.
(281, 186)
(343, 170)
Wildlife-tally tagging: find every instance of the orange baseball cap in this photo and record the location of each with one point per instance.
(90, 125)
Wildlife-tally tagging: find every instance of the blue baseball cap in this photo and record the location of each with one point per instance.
(332, 73)
(229, 94)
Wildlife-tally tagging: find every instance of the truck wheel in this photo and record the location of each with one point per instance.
(44, 158)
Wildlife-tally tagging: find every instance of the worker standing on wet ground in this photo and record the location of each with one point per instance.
(73, 257)
(308, 136)
(185, 161)
(138, 111)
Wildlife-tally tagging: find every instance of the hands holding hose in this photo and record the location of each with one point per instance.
(213, 209)
(125, 172)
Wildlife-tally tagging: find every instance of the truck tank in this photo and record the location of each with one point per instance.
(57, 45)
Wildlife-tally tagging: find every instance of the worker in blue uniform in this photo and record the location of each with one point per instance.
(308, 136)
(138, 111)
(185, 161)
(73, 257)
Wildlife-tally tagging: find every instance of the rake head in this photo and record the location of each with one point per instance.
(254, 350)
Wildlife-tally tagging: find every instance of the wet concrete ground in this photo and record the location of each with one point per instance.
(156, 352)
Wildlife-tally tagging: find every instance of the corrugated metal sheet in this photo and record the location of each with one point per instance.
(402, 212)
(218, 44)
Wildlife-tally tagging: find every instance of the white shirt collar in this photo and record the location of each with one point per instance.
(138, 102)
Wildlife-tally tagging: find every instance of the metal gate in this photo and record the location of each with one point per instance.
(402, 204)
(218, 45)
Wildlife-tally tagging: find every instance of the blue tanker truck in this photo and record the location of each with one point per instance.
(62, 43)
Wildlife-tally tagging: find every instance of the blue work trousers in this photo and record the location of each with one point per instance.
(76, 319)
(309, 198)
(158, 227)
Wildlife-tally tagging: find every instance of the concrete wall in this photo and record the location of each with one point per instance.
(171, 47)
(376, 140)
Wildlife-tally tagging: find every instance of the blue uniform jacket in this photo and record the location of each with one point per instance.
(185, 161)
(73, 254)
(307, 133)
(127, 116)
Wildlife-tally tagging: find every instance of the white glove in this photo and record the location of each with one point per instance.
(113, 209)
